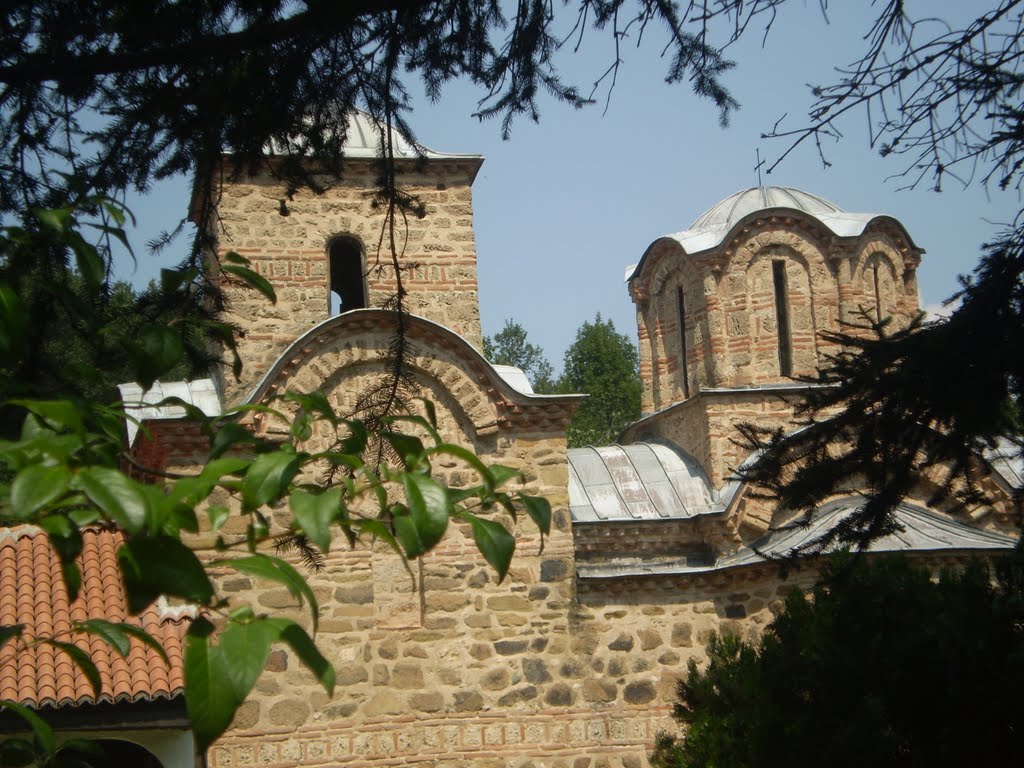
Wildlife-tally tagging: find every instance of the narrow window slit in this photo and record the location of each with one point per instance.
(782, 318)
(681, 301)
(878, 294)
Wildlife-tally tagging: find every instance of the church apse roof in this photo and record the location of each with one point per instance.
(712, 228)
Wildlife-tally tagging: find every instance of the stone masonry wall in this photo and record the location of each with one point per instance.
(437, 254)
(534, 672)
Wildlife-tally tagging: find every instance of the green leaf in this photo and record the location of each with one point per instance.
(408, 448)
(315, 512)
(154, 351)
(123, 500)
(110, 633)
(56, 219)
(268, 477)
(252, 279)
(501, 474)
(173, 279)
(56, 413)
(217, 468)
(41, 732)
(466, 455)
(36, 486)
(236, 258)
(119, 635)
(72, 578)
(429, 510)
(90, 265)
(244, 648)
(162, 565)
(228, 436)
(209, 691)
(539, 510)
(9, 631)
(81, 660)
(13, 324)
(300, 642)
(276, 569)
(495, 543)
(218, 514)
(378, 530)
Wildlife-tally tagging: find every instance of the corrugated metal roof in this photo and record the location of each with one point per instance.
(923, 531)
(643, 481)
(1007, 460)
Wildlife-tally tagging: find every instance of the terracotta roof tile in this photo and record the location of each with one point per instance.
(32, 593)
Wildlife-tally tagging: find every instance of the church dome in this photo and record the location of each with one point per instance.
(725, 214)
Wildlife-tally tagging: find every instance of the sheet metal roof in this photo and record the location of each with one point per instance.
(362, 140)
(140, 405)
(711, 228)
(924, 531)
(643, 481)
(32, 593)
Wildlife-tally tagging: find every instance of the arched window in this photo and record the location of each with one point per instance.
(348, 279)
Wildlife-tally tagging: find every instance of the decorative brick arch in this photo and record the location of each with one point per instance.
(884, 241)
(358, 341)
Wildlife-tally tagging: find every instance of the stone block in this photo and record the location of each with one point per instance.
(682, 635)
(535, 671)
(407, 676)
(510, 647)
(518, 696)
(560, 695)
(599, 691)
(290, 712)
(623, 642)
(639, 692)
(427, 702)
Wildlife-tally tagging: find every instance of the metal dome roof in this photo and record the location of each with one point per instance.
(747, 201)
(713, 226)
(362, 140)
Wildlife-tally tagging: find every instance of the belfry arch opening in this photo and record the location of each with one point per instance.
(347, 288)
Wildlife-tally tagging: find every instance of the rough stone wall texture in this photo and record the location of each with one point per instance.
(437, 255)
(534, 672)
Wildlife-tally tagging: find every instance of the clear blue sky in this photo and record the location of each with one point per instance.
(566, 204)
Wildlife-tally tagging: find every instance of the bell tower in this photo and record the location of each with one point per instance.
(329, 252)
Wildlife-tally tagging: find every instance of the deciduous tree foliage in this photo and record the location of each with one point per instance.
(510, 347)
(604, 364)
(881, 665)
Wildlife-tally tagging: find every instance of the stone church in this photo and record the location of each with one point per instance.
(573, 660)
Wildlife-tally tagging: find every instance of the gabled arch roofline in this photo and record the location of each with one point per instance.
(840, 224)
(416, 327)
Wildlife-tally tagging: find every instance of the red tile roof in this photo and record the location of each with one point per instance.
(32, 593)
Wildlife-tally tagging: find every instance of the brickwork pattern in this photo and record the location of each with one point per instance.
(437, 255)
(731, 332)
